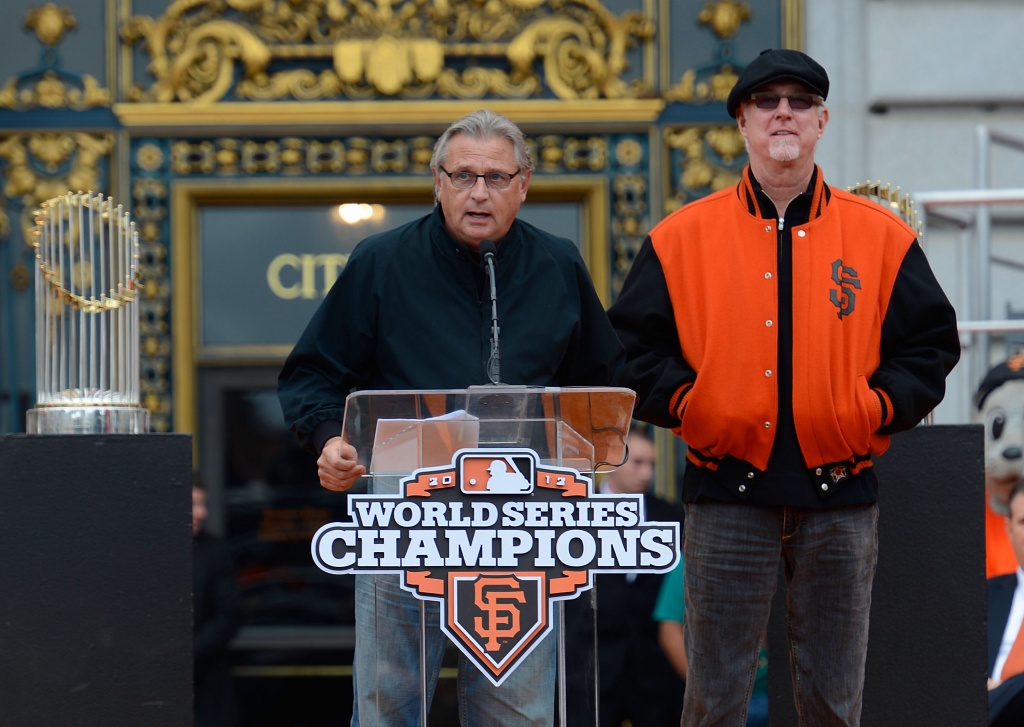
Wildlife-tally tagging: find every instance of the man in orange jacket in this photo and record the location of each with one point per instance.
(784, 329)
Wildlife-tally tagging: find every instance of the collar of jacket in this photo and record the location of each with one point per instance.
(748, 187)
(449, 245)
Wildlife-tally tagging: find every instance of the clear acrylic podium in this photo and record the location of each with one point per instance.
(584, 429)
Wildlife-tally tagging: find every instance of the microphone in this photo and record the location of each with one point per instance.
(488, 250)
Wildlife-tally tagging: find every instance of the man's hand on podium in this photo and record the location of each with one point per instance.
(338, 465)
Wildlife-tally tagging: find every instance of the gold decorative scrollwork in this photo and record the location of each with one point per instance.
(724, 18)
(328, 49)
(553, 152)
(50, 91)
(692, 89)
(711, 158)
(629, 152)
(629, 213)
(150, 212)
(355, 155)
(51, 88)
(49, 23)
(46, 165)
(629, 223)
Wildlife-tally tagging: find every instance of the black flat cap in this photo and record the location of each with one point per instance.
(775, 65)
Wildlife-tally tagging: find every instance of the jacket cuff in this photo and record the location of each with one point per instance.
(886, 402)
(324, 431)
(677, 403)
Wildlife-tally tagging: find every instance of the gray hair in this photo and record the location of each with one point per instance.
(480, 125)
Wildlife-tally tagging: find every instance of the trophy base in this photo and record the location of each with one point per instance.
(87, 420)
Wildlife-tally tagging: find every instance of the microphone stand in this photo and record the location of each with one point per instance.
(494, 361)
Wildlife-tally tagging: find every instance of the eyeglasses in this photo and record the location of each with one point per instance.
(769, 101)
(493, 180)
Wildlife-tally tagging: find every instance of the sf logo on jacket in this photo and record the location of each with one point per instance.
(496, 537)
(844, 297)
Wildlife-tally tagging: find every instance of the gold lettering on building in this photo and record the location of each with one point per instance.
(307, 276)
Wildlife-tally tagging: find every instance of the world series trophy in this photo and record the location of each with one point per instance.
(87, 318)
(892, 197)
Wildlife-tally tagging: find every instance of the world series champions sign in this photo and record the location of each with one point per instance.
(496, 537)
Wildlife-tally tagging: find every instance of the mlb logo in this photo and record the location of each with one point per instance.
(498, 472)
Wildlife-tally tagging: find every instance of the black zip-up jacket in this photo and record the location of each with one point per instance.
(411, 310)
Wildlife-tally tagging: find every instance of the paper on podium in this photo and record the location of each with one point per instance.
(403, 445)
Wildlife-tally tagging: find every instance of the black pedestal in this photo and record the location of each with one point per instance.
(95, 580)
(927, 647)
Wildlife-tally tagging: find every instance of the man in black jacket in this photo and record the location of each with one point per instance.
(410, 311)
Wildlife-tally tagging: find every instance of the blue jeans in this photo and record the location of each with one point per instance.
(732, 557)
(386, 675)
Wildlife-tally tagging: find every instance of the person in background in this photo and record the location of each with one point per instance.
(1006, 627)
(784, 329)
(410, 311)
(637, 683)
(215, 619)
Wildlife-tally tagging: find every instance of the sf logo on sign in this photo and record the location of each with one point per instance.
(497, 538)
(499, 598)
(496, 617)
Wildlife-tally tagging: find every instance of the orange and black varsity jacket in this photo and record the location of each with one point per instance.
(784, 352)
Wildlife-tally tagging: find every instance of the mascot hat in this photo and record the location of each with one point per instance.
(999, 375)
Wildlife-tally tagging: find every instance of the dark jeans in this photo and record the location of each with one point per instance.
(732, 557)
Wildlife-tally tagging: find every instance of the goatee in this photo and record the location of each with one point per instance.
(784, 149)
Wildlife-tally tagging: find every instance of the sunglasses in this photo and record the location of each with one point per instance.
(769, 101)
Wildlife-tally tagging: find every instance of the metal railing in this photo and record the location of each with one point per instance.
(970, 211)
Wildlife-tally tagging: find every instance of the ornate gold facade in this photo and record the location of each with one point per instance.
(330, 49)
(289, 91)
